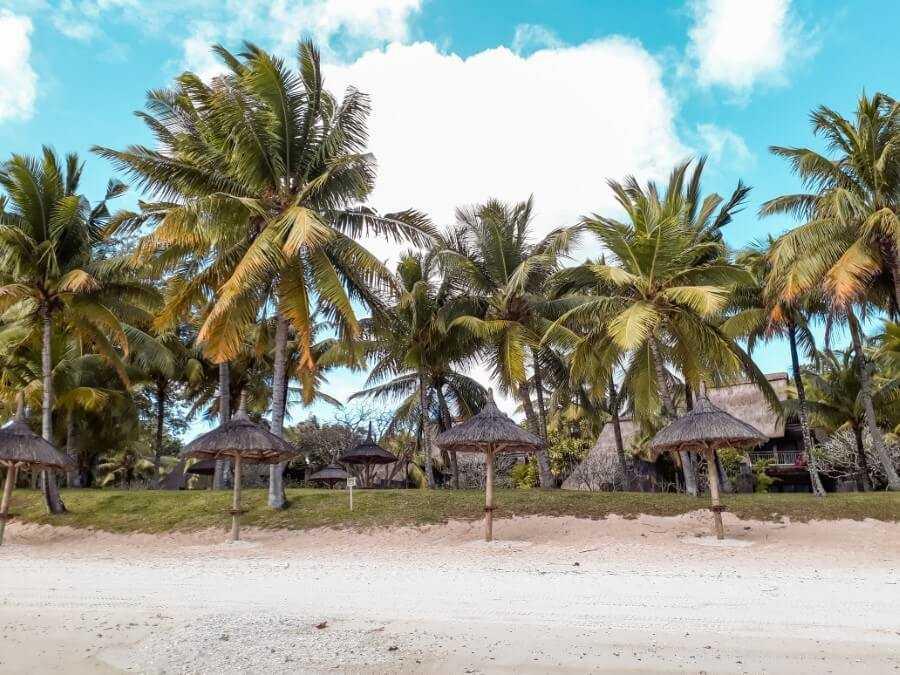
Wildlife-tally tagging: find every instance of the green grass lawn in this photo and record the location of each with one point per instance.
(157, 511)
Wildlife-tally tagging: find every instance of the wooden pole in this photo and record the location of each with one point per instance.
(236, 502)
(8, 486)
(713, 477)
(489, 495)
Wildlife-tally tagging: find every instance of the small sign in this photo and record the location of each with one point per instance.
(351, 482)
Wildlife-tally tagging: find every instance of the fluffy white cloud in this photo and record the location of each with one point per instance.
(736, 43)
(18, 81)
(448, 130)
(723, 146)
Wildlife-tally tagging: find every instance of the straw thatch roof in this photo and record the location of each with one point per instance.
(368, 452)
(490, 427)
(706, 426)
(240, 436)
(20, 445)
(330, 474)
(205, 467)
(742, 399)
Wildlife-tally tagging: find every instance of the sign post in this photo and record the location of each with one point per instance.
(351, 483)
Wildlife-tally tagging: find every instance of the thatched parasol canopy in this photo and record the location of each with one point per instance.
(368, 452)
(706, 426)
(703, 430)
(241, 440)
(490, 432)
(330, 475)
(20, 446)
(490, 427)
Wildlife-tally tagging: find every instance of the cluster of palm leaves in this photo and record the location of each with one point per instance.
(242, 272)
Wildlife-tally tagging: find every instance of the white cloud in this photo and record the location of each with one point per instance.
(739, 43)
(447, 130)
(18, 81)
(530, 37)
(724, 147)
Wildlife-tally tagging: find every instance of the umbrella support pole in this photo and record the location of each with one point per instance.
(11, 471)
(713, 476)
(489, 495)
(236, 501)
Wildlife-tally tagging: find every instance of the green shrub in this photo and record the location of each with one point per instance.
(525, 476)
(763, 482)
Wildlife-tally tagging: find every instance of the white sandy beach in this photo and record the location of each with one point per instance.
(554, 594)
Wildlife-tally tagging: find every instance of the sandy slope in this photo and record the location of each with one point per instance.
(554, 594)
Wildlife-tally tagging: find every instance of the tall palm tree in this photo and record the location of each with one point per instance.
(656, 299)
(760, 316)
(850, 218)
(266, 171)
(416, 349)
(493, 254)
(55, 264)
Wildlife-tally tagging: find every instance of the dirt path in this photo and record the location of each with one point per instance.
(554, 594)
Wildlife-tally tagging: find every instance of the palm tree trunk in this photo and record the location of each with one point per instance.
(869, 408)
(221, 470)
(862, 475)
(668, 405)
(277, 498)
(617, 433)
(448, 423)
(73, 478)
(51, 490)
(808, 447)
(160, 422)
(539, 392)
(426, 433)
(546, 478)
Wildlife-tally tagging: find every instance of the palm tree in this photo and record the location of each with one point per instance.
(850, 215)
(835, 402)
(656, 299)
(758, 315)
(417, 347)
(54, 264)
(492, 254)
(267, 171)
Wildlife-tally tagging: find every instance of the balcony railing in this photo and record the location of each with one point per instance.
(784, 457)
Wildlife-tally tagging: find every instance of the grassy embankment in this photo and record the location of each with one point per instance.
(155, 511)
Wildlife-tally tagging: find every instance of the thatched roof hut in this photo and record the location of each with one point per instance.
(20, 446)
(742, 399)
(490, 432)
(205, 467)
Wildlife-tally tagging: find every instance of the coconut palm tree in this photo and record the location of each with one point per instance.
(850, 222)
(760, 316)
(416, 348)
(492, 253)
(56, 266)
(656, 299)
(260, 175)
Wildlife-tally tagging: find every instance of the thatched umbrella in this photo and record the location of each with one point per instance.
(20, 446)
(490, 432)
(703, 430)
(240, 439)
(367, 454)
(330, 475)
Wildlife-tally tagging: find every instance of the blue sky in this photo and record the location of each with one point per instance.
(475, 99)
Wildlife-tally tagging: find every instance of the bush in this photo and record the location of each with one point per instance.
(525, 476)
(763, 482)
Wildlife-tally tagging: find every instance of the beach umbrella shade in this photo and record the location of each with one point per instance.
(490, 432)
(20, 446)
(330, 475)
(240, 440)
(703, 430)
(368, 454)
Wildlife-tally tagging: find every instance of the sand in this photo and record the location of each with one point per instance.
(553, 594)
